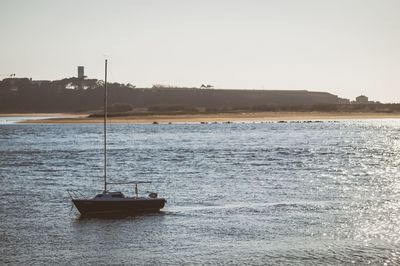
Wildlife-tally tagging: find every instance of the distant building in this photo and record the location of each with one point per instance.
(362, 99)
(81, 72)
(40, 82)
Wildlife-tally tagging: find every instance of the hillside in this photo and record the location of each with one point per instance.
(74, 95)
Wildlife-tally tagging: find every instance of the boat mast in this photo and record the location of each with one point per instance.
(105, 128)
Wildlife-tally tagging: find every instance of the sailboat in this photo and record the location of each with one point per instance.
(115, 203)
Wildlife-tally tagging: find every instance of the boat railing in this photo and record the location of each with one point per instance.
(129, 182)
(76, 194)
(136, 183)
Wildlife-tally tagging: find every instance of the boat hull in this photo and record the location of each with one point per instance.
(89, 207)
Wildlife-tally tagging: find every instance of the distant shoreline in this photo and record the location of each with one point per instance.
(207, 118)
(41, 114)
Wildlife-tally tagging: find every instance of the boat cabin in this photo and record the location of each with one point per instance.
(108, 195)
(119, 195)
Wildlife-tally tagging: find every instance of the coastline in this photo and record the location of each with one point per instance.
(208, 118)
(41, 114)
(15, 118)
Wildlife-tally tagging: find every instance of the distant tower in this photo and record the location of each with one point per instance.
(81, 72)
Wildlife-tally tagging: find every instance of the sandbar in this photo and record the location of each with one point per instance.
(219, 118)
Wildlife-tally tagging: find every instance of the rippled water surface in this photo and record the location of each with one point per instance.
(269, 193)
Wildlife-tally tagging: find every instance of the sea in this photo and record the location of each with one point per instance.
(293, 193)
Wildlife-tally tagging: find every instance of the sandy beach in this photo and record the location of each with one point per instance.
(209, 118)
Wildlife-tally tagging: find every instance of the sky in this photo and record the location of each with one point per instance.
(345, 47)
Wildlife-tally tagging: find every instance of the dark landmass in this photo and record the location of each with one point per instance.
(23, 95)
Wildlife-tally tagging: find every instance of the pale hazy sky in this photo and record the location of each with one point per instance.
(345, 47)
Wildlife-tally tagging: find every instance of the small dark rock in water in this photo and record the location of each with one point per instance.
(202, 122)
(169, 123)
(228, 122)
(155, 123)
(281, 121)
